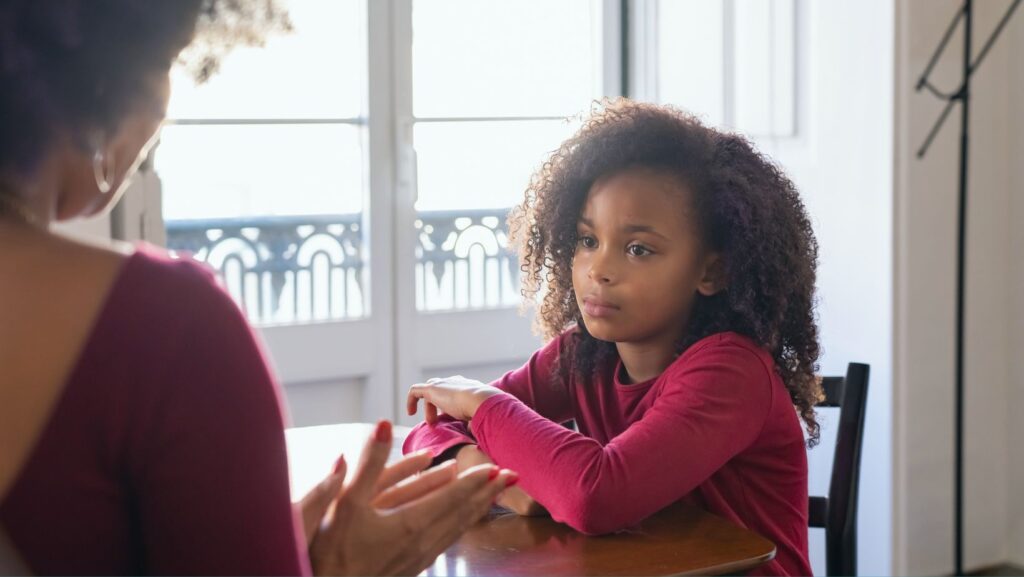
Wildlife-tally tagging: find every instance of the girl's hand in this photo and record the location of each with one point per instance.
(376, 527)
(456, 397)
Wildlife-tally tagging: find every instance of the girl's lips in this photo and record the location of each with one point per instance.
(598, 309)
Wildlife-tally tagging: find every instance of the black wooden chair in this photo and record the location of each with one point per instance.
(837, 513)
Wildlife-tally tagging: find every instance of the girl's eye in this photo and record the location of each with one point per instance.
(587, 241)
(638, 250)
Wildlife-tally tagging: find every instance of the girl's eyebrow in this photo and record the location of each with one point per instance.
(629, 228)
(643, 228)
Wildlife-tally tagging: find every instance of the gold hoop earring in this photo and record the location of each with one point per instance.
(104, 181)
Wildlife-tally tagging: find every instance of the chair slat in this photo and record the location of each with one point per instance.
(818, 512)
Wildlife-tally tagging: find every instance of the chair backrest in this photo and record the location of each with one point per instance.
(837, 514)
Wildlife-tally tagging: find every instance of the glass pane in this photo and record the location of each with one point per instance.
(275, 209)
(242, 171)
(470, 174)
(316, 71)
(505, 57)
(691, 59)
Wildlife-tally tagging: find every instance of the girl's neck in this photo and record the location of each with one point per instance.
(645, 361)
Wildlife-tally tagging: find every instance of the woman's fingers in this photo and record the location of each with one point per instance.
(437, 519)
(403, 469)
(375, 456)
(314, 504)
(448, 528)
(429, 412)
(458, 501)
(413, 489)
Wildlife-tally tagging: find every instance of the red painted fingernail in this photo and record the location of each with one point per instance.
(493, 474)
(338, 464)
(513, 479)
(383, 431)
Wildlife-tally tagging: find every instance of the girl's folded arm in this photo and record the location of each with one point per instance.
(709, 412)
(531, 384)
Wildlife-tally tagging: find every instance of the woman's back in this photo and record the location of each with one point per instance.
(156, 435)
(51, 291)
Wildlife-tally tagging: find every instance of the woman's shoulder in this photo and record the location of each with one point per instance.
(154, 282)
(169, 316)
(159, 303)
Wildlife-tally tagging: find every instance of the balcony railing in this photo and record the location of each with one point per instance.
(312, 268)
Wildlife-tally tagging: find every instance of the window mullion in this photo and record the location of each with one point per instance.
(379, 200)
(613, 64)
(404, 162)
(643, 49)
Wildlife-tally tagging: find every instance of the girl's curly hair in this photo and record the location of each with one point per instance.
(747, 210)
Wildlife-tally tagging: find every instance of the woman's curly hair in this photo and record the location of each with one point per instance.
(747, 210)
(78, 67)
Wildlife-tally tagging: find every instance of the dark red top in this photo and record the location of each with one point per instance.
(717, 428)
(165, 453)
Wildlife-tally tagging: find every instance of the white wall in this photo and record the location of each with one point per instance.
(926, 208)
(325, 403)
(1015, 41)
(842, 164)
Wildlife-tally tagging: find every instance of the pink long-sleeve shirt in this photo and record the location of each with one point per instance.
(717, 428)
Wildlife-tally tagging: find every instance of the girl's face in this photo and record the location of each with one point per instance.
(639, 260)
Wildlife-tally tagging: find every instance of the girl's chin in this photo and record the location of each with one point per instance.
(601, 331)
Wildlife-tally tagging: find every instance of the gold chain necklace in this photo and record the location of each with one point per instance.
(12, 206)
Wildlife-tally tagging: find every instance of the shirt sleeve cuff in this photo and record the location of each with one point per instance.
(437, 439)
(485, 411)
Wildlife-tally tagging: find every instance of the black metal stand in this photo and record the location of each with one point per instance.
(962, 94)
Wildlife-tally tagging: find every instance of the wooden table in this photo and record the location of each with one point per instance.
(681, 540)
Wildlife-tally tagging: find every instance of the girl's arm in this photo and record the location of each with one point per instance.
(714, 406)
(531, 384)
(514, 498)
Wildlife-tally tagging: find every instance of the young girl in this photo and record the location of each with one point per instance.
(678, 269)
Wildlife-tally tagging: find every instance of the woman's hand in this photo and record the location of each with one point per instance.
(513, 498)
(456, 397)
(387, 522)
(314, 505)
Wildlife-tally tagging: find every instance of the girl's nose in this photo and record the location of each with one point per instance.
(600, 271)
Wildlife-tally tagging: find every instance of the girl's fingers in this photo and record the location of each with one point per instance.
(417, 487)
(429, 412)
(415, 393)
(375, 455)
(403, 469)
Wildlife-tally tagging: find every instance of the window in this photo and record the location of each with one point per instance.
(263, 168)
(491, 97)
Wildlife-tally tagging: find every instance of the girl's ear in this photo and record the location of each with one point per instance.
(713, 281)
